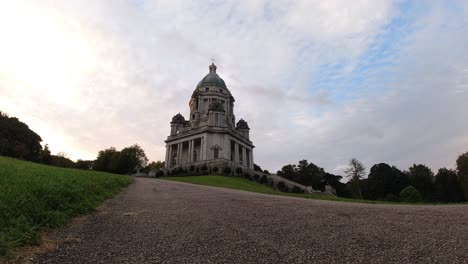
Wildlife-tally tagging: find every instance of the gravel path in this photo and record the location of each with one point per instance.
(157, 221)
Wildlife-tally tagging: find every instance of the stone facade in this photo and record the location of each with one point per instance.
(211, 135)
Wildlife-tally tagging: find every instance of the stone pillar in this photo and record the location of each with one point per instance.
(190, 154)
(202, 149)
(169, 153)
(188, 151)
(179, 153)
(236, 152)
(251, 159)
(244, 156)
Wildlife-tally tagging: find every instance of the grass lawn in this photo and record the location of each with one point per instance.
(251, 186)
(35, 197)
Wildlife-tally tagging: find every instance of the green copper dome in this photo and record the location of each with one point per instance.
(212, 78)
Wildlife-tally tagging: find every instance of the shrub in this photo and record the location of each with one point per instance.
(191, 168)
(410, 195)
(215, 169)
(247, 176)
(159, 173)
(227, 170)
(264, 179)
(296, 189)
(203, 168)
(239, 171)
(256, 177)
(282, 187)
(392, 198)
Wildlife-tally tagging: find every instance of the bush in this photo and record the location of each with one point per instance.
(159, 173)
(256, 177)
(203, 168)
(264, 179)
(227, 170)
(410, 195)
(247, 176)
(296, 189)
(215, 169)
(191, 168)
(282, 187)
(392, 198)
(239, 171)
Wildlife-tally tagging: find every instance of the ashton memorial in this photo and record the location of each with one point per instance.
(210, 135)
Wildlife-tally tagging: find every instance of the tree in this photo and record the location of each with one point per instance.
(128, 160)
(462, 169)
(421, 177)
(304, 173)
(84, 164)
(132, 159)
(61, 160)
(334, 181)
(257, 168)
(384, 180)
(18, 140)
(45, 156)
(447, 188)
(155, 166)
(107, 160)
(355, 171)
(410, 195)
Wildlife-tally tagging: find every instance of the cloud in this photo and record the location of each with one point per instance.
(326, 81)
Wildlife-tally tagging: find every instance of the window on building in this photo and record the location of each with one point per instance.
(174, 159)
(207, 89)
(195, 156)
(221, 90)
(216, 119)
(216, 153)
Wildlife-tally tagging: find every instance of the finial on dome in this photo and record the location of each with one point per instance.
(212, 67)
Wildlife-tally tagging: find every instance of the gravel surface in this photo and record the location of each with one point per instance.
(157, 221)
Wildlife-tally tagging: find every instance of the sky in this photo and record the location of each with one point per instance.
(326, 81)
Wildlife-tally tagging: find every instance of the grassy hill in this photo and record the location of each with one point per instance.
(35, 197)
(251, 186)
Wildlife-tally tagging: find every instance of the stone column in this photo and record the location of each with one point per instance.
(190, 154)
(251, 159)
(202, 148)
(169, 153)
(244, 156)
(236, 152)
(179, 153)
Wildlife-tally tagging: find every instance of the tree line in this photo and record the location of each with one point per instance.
(17, 140)
(388, 183)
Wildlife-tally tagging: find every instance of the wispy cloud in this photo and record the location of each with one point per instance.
(382, 81)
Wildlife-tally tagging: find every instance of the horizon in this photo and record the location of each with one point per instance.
(380, 81)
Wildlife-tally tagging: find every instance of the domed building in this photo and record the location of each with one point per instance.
(210, 135)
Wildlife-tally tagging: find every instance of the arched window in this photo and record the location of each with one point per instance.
(216, 153)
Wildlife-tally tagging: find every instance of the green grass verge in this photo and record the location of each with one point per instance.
(35, 197)
(251, 186)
